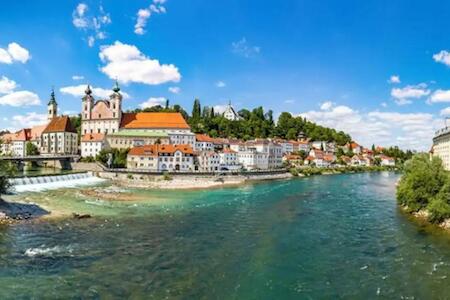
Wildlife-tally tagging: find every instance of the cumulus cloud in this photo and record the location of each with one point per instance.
(92, 25)
(408, 130)
(28, 120)
(442, 57)
(439, 96)
(404, 95)
(174, 90)
(20, 98)
(394, 79)
(7, 85)
(153, 101)
(78, 91)
(220, 84)
(13, 53)
(220, 109)
(243, 48)
(144, 14)
(77, 77)
(326, 105)
(445, 112)
(127, 63)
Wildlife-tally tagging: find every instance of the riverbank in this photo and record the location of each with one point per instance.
(11, 212)
(309, 171)
(180, 181)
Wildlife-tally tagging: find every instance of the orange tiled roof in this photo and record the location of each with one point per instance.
(203, 138)
(228, 150)
(36, 131)
(60, 124)
(153, 120)
(93, 137)
(154, 150)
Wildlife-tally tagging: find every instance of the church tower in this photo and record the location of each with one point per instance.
(52, 107)
(87, 103)
(115, 100)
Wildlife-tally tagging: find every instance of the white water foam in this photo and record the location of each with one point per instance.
(48, 251)
(43, 183)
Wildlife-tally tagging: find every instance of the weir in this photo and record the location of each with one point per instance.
(42, 183)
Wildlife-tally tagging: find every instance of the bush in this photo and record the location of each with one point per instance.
(422, 180)
(167, 176)
(129, 176)
(293, 171)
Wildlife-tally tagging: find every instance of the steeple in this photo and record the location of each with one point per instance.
(52, 98)
(52, 106)
(116, 87)
(88, 90)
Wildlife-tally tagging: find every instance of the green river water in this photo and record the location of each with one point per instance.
(324, 237)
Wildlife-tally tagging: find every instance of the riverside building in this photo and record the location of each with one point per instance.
(441, 146)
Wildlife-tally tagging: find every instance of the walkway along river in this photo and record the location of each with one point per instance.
(338, 236)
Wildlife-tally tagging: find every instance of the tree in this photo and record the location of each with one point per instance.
(31, 149)
(167, 104)
(196, 110)
(421, 181)
(7, 170)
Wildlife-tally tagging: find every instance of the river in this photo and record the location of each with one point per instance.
(323, 237)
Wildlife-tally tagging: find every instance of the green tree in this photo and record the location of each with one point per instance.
(421, 181)
(196, 110)
(7, 170)
(31, 149)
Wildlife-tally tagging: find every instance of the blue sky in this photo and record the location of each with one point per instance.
(331, 61)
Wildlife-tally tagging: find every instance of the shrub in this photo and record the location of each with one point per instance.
(293, 171)
(422, 180)
(167, 176)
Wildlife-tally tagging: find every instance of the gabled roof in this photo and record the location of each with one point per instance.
(36, 131)
(60, 124)
(153, 120)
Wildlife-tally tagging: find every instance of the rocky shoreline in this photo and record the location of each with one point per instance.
(423, 215)
(11, 212)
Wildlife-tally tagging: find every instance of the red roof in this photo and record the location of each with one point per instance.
(60, 124)
(153, 120)
(155, 150)
(93, 137)
(203, 138)
(228, 150)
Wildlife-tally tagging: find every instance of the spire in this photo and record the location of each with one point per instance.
(52, 98)
(229, 102)
(116, 87)
(88, 90)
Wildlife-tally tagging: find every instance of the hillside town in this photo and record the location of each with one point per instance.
(164, 142)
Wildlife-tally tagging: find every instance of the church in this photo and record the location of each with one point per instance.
(105, 125)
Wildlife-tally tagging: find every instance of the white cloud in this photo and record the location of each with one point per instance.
(144, 14)
(15, 52)
(439, 96)
(384, 104)
(174, 90)
(7, 85)
(408, 130)
(28, 120)
(243, 48)
(5, 58)
(220, 84)
(326, 105)
(20, 98)
(77, 77)
(153, 101)
(404, 95)
(394, 79)
(289, 101)
(445, 112)
(78, 91)
(127, 63)
(92, 25)
(442, 57)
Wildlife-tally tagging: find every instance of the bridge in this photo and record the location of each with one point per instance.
(63, 160)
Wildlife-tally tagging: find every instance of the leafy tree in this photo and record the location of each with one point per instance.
(119, 157)
(7, 170)
(31, 149)
(196, 110)
(167, 104)
(422, 180)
